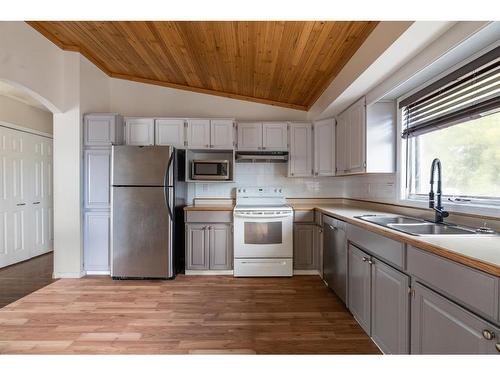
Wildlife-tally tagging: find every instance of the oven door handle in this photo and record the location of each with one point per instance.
(254, 216)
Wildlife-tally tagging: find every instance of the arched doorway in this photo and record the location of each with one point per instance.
(26, 192)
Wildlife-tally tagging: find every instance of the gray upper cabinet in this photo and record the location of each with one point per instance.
(140, 131)
(97, 164)
(169, 132)
(390, 319)
(300, 163)
(359, 286)
(197, 247)
(102, 129)
(221, 247)
(439, 326)
(304, 249)
(365, 138)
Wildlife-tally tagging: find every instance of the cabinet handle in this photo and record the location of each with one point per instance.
(21, 204)
(364, 259)
(488, 335)
(36, 202)
(497, 345)
(263, 148)
(370, 261)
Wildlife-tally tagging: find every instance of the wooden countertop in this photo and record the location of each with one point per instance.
(479, 252)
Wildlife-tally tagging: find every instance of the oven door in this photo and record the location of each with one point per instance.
(261, 235)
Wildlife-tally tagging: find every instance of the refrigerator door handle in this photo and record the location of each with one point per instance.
(168, 181)
(167, 191)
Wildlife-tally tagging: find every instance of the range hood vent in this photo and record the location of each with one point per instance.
(261, 156)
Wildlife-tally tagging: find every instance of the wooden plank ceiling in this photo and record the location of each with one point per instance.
(284, 63)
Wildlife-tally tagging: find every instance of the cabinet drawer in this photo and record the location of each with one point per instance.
(476, 289)
(385, 248)
(303, 216)
(209, 216)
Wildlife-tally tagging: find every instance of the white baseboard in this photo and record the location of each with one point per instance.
(95, 273)
(68, 275)
(306, 272)
(208, 272)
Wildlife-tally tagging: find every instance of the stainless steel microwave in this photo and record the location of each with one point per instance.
(210, 170)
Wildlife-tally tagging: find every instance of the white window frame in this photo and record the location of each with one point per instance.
(475, 208)
(491, 210)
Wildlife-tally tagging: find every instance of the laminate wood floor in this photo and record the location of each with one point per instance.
(21, 279)
(191, 314)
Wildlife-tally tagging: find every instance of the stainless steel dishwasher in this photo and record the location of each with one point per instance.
(335, 256)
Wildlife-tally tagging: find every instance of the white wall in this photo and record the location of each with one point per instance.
(17, 113)
(139, 99)
(68, 253)
(28, 59)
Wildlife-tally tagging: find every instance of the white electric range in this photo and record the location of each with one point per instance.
(263, 232)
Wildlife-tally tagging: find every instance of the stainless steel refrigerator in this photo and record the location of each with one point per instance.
(148, 196)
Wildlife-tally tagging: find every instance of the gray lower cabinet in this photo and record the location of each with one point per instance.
(439, 326)
(209, 247)
(390, 313)
(304, 251)
(221, 247)
(379, 300)
(359, 286)
(197, 247)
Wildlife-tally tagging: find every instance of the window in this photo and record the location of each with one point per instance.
(456, 119)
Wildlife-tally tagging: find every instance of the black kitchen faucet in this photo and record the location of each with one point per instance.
(438, 208)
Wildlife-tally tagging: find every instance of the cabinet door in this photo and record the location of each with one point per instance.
(169, 132)
(198, 133)
(221, 134)
(96, 241)
(390, 319)
(140, 132)
(99, 130)
(197, 247)
(249, 136)
(304, 255)
(341, 145)
(359, 286)
(439, 326)
(357, 138)
(275, 136)
(300, 163)
(97, 165)
(324, 147)
(221, 247)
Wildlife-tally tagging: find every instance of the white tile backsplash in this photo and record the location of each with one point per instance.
(267, 174)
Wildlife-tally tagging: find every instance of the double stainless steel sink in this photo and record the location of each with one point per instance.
(420, 227)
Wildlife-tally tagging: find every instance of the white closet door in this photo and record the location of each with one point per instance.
(14, 210)
(25, 196)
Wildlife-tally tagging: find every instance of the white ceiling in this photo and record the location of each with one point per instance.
(20, 95)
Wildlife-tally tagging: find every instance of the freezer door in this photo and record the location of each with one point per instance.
(140, 166)
(141, 238)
